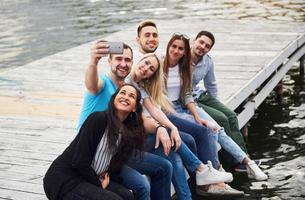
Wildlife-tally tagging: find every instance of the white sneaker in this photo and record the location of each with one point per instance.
(255, 172)
(209, 175)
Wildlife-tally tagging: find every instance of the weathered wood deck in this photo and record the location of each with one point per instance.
(40, 101)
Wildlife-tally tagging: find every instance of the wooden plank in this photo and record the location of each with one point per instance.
(16, 168)
(20, 177)
(250, 107)
(255, 82)
(15, 194)
(259, 98)
(27, 189)
(301, 40)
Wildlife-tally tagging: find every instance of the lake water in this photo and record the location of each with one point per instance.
(32, 29)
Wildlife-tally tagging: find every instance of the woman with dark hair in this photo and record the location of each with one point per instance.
(178, 73)
(105, 142)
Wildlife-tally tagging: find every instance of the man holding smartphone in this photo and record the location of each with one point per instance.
(96, 98)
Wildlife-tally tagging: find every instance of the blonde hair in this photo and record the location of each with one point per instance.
(155, 86)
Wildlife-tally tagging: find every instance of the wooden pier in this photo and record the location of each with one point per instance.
(40, 101)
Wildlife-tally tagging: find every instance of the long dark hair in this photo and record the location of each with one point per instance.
(185, 69)
(131, 132)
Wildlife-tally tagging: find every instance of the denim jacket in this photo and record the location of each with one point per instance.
(204, 70)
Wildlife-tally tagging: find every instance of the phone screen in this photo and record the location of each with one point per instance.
(115, 47)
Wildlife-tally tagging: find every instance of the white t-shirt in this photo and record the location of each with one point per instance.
(173, 83)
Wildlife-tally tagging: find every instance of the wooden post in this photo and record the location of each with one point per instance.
(245, 131)
(279, 91)
(302, 65)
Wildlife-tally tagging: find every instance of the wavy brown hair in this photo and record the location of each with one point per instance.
(185, 69)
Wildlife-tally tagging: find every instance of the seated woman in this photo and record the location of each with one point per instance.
(147, 75)
(104, 143)
(177, 70)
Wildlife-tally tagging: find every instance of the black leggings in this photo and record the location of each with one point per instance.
(88, 191)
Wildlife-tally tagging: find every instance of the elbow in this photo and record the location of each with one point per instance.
(92, 89)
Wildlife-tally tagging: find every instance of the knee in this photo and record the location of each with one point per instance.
(223, 120)
(141, 191)
(232, 116)
(128, 196)
(166, 169)
(189, 141)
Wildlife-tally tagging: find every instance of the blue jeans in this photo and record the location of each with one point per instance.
(135, 181)
(223, 139)
(183, 157)
(205, 151)
(220, 137)
(189, 141)
(157, 168)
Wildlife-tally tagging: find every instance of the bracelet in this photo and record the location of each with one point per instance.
(160, 125)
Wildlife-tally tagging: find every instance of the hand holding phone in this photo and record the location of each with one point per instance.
(115, 47)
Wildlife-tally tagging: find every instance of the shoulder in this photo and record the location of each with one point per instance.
(208, 59)
(98, 119)
(105, 79)
(98, 115)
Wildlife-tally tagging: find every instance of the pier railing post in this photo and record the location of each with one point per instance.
(279, 92)
(302, 65)
(245, 131)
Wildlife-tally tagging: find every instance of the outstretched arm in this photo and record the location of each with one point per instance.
(93, 83)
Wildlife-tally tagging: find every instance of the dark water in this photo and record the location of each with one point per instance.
(32, 29)
(277, 134)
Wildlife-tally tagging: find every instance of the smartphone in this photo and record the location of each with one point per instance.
(115, 47)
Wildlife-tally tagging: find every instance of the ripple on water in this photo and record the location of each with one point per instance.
(298, 120)
(38, 23)
(288, 177)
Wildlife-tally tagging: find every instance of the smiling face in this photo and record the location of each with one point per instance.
(176, 50)
(125, 101)
(202, 46)
(121, 64)
(148, 39)
(146, 68)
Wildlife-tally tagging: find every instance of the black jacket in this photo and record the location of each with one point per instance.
(73, 166)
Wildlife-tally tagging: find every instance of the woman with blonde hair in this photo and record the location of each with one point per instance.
(147, 75)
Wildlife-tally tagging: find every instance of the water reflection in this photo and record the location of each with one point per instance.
(41, 28)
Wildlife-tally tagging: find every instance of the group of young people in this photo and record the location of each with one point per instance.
(148, 116)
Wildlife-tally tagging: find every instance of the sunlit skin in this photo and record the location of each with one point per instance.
(121, 64)
(200, 47)
(176, 52)
(125, 101)
(148, 39)
(145, 68)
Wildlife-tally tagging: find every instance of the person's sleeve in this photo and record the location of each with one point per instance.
(86, 147)
(188, 98)
(210, 79)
